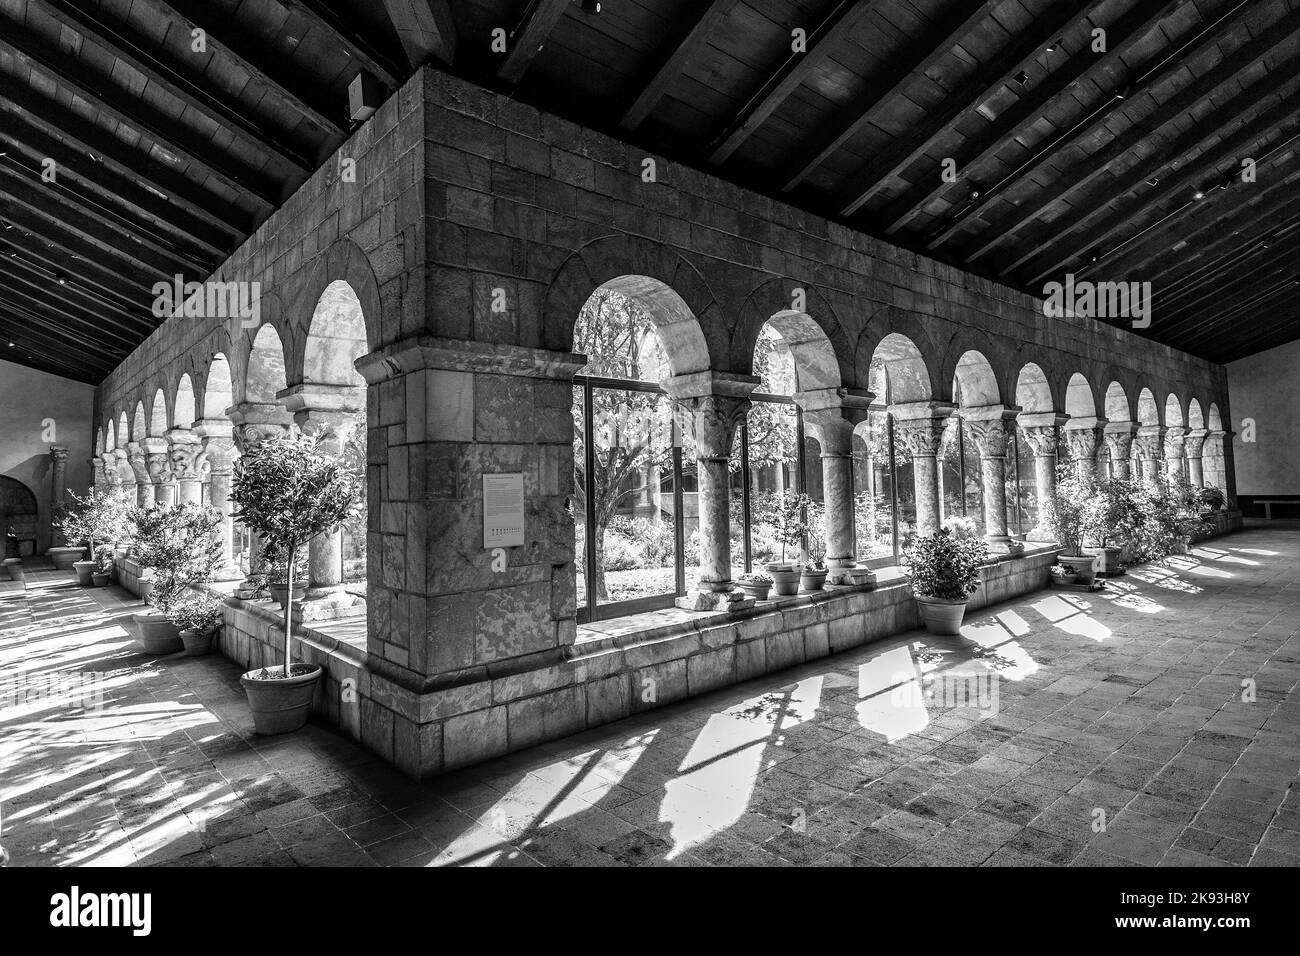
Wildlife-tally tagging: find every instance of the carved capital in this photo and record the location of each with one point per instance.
(331, 428)
(1173, 445)
(1082, 443)
(59, 454)
(158, 464)
(920, 436)
(249, 435)
(713, 420)
(1194, 442)
(220, 452)
(1147, 443)
(990, 428)
(1041, 440)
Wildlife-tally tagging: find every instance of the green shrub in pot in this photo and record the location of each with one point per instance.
(182, 547)
(944, 571)
(97, 520)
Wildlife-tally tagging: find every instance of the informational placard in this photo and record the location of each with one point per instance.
(503, 511)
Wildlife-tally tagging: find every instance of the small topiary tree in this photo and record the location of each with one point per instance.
(288, 491)
(787, 515)
(181, 544)
(99, 519)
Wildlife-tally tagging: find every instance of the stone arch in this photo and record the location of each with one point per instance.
(335, 337)
(339, 278)
(1173, 411)
(904, 325)
(265, 374)
(960, 351)
(123, 430)
(823, 355)
(906, 374)
(1117, 405)
(1147, 409)
(218, 387)
(110, 437)
(1213, 420)
(158, 421)
(1080, 400)
(140, 423)
(974, 383)
(1195, 417)
(1034, 391)
(672, 291)
(183, 406)
(99, 441)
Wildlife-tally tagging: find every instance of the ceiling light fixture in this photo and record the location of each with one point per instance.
(1022, 77)
(1153, 181)
(1199, 194)
(591, 6)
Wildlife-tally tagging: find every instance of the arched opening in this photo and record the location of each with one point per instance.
(158, 415)
(218, 390)
(1173, 411)
(1117, 407)
(265, 377)
(1213, 463)
(183, 408)
(636, 492)
(1148, 410)
(110, 436)
(961, 492)
(1033, 393)
(336, 338)
(19, 518)
(123, 431)
(140, 423)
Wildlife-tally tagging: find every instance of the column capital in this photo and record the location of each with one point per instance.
(713, 422)
(920, 426)
(990, 427)
(220, 452)
(832, 414)
(213, 428)
(710, 383)
(310, 397)
(135, 457)
(1194, 442)
(1082, 435)
(59, 453)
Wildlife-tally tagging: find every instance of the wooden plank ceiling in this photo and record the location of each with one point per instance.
(1113, 164)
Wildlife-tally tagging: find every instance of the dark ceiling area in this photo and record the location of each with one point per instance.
(1103, 138)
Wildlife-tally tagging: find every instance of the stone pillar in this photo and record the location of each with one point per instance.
(139, 464)
(1173, 453)
(1193, 446)
(990, 428)
(1213, 459)
(97, 472)
(1041, 431)
(919, 426)
(832, 415)
(712, 405)
(218, 440)
(1147, 447)
(58, 489)
(188, 465)
(1082, 436)
(157, 459)
(1119, 441)
(328, 414)
(251, 424)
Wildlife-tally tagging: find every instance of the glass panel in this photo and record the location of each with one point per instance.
(579, 500)
(773, 477)
(873, 489)
(736, 504)
(636, 548)
(1028, 484)
(905, 476)
(354, 528)
(619, 339)
(951, 500)
(813, 488)
(974, 493)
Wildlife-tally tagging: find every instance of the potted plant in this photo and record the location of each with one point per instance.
(198, 619)
(182, 547)
(1110, 519)
(944, 569)
(99, 518)
(813, 574)
(1071, 502)
(755, 584)
(15, 568)
(102, 572)
(277, 576)
(1212, 499)
(63, 556)
(786, 514)
(288, 491)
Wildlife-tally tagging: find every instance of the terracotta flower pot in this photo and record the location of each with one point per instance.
(1082, 565)
(280, 593)
(63, 558)
(942, 615)
(15, 568)
(85, 570)
(281, 704)
(812, 579)
(785, 579)
(1107, 559)
(197, 643)
(157, 634)
(758, 592)
(101, 578)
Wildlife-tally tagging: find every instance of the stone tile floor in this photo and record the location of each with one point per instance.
(1003, 747)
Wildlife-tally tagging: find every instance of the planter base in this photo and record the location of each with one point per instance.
(942, 616)
(281, 705)
(715, 601)
(157, 634)
(1078, 586)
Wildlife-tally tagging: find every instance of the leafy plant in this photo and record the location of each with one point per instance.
(786, 515)
(1070, 511)
(289, 492)
(98, 519)
(182, 544)
(201, 614)
(944, 565)
(1213, 498)
(755, 577)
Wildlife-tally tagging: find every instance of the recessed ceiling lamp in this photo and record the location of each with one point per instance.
(11, 345)
(1199, 194)
(1053, 47)
(1122, 93)
(591, 6)
(1096, 254)
(1022, 77)
(60, 278)
(974, 193)
(1153, 181)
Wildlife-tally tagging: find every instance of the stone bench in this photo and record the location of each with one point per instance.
(1268, 504)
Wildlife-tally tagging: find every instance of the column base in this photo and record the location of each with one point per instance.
(1002, 544)
(229, 573)
(327, 604)
(1041, 535)
(715, 601)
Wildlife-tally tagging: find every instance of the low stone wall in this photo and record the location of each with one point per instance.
(1221, 523)
(131, 575)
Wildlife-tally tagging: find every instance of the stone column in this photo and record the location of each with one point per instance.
(136, 458)
(58, 489)
(1041, 431)
(1173, 453)
(188, 465)
(712, 406)
(157, 459)
(217, 436)
(919, 426)
(990, 428)
(1147, 446)
(97, 471)
(832, 415)
(1213, 460)
(127, 481)
(1082, 436)
(251, 424)
(1119, 441)
(327, 413)
(1193, 446)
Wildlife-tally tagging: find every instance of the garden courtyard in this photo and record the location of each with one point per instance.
(1151, 723)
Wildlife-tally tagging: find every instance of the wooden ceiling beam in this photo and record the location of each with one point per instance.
(173, 187)
(1283, 326)
(31, 351)
(1284, 292)
(357, 46)
(527, 39)
(894, 159)
(272, 71)
(1185, 101)
(121, 107)
(203, 101)
(789, 75)
(1279, 264)
(425, 28)
(685, 47)
(1192, 177)
(29, 242)
(1170, 65)
(73, 294)
(1123, 35)
(98, 332)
